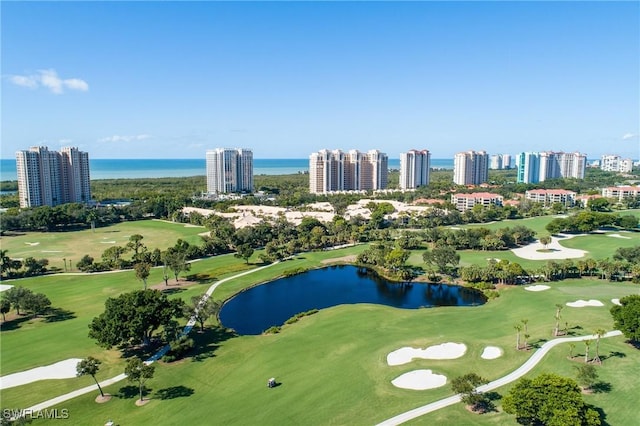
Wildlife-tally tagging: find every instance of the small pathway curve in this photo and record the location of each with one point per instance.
(155, 357)
(516, 374)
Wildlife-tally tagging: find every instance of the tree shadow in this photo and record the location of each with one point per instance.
(14, 323)
(634, 343)
(207, 342)
(128, 392)
(614, 354)
(174, 392)
(141, 351)
(201, 278)
(169, 291)
(59, 314)
(601, 387)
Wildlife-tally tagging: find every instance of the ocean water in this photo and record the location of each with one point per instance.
(155, 168)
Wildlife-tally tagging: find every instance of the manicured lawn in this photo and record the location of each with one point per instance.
(600, 246)
(332, 365)
(535, 223)
(56, 246)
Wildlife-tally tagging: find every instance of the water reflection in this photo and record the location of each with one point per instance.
(263, 306)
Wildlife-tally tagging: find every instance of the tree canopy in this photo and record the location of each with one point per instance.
(132, 318)
(550, 400)
(626, 317)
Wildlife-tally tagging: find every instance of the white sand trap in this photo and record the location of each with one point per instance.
(32, 244)
(491, 352)
(444, 351)
(108, 242)
(60, 370)
(50, 251)
(419, 380)
(618, 236)
(614, 301)
(4, 287)
(538, 287)
(530, 251)
(583, 303)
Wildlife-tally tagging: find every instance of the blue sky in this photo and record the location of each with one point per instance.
(173, 79)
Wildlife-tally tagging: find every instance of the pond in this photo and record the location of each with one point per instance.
(260, 307)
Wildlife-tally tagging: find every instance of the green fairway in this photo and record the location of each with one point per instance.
(332, 365)
(57, 246)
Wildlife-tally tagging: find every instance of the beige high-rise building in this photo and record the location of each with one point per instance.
(50, 178)
(331, 171)
(229, 170)
(470, 168)
(414, 168)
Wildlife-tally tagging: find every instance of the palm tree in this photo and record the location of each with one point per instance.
(518, 329)
(526, 337)
(599, 333)
(587, 343)
(556, 331)
(89, 366)
(524, 323)
(572, 346)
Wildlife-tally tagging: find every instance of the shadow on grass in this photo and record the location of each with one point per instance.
(169, 290)
(59, 314)
(174, 392)
(208, 341)
(601, 387)
(131, 391)
(14, 323)
(614, 354)
(201, 278)
(141, 351)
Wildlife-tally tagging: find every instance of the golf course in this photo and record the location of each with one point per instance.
(331, 367)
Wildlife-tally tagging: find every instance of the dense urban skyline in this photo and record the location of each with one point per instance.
(172, 79)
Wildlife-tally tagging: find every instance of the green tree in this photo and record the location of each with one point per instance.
(201, 309)
(445, 258)
(139, 372)
(586, 375)
(244, 251)
(143, 269)
(556, 329)
(17, 297)
(36, 303)
(550, 400)
(132, 318)
(599, 333)
(518, 329)
(626, 317)
(135, 244)
(545, 240)
(176, 261)
(467, 386)
(5, 307)
(89, 367)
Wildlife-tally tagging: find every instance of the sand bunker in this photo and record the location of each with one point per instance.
(583, 303)
(60, 370)
(108, 242)
(538, 287)
(32, 244)
(419, 380)
(556, 251)
(614, 301)
(4, 287)
(618, 236)
(444, 351)
(491, 352)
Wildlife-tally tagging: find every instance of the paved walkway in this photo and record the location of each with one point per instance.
(516, 374)
(155, 357)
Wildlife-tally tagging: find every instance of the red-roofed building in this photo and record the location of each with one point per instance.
(551, 196)
(620, 192)
(464, 202)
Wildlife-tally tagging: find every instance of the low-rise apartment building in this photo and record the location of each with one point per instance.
(464, 202)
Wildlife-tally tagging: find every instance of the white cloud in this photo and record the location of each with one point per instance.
(49, 79)
(628, 136)
(125, 138)
(24, 81)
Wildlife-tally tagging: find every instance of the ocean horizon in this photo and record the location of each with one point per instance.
(102, 168)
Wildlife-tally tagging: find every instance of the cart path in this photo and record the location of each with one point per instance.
(516, 374)
(62, 398)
